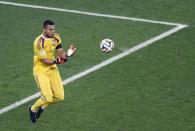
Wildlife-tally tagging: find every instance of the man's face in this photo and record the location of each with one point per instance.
(49, 30)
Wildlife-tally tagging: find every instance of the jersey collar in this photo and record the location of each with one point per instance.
(45, 37)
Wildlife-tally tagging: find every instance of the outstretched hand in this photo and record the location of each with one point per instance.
(71, 51)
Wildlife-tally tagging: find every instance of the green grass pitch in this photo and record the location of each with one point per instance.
(151, 89)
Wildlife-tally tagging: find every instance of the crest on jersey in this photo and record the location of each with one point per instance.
(43, 53)
(54, 42)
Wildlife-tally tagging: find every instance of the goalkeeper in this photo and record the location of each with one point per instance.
(45, 69)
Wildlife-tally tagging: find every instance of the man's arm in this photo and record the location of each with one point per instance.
(61, 53)
(57, 61)
(47, 61)
(64, 55)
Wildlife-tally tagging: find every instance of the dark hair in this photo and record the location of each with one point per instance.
(47, 22)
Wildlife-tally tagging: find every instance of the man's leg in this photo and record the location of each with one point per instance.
(57, 85)
(43, 83)
(58, 91)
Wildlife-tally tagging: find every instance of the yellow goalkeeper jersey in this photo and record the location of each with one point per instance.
(44, 48)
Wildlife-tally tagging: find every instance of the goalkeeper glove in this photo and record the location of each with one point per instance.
(60, 60)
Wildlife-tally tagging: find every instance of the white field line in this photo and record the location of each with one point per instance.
(104, 63)
(89, 13)
(98, 66)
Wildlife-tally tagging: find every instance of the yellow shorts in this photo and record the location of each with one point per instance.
(51, 85)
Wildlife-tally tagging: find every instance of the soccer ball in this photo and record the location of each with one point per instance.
(106, 45)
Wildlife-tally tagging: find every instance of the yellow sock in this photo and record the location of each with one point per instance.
(45, 105)
(42, 103)
(38, 104)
